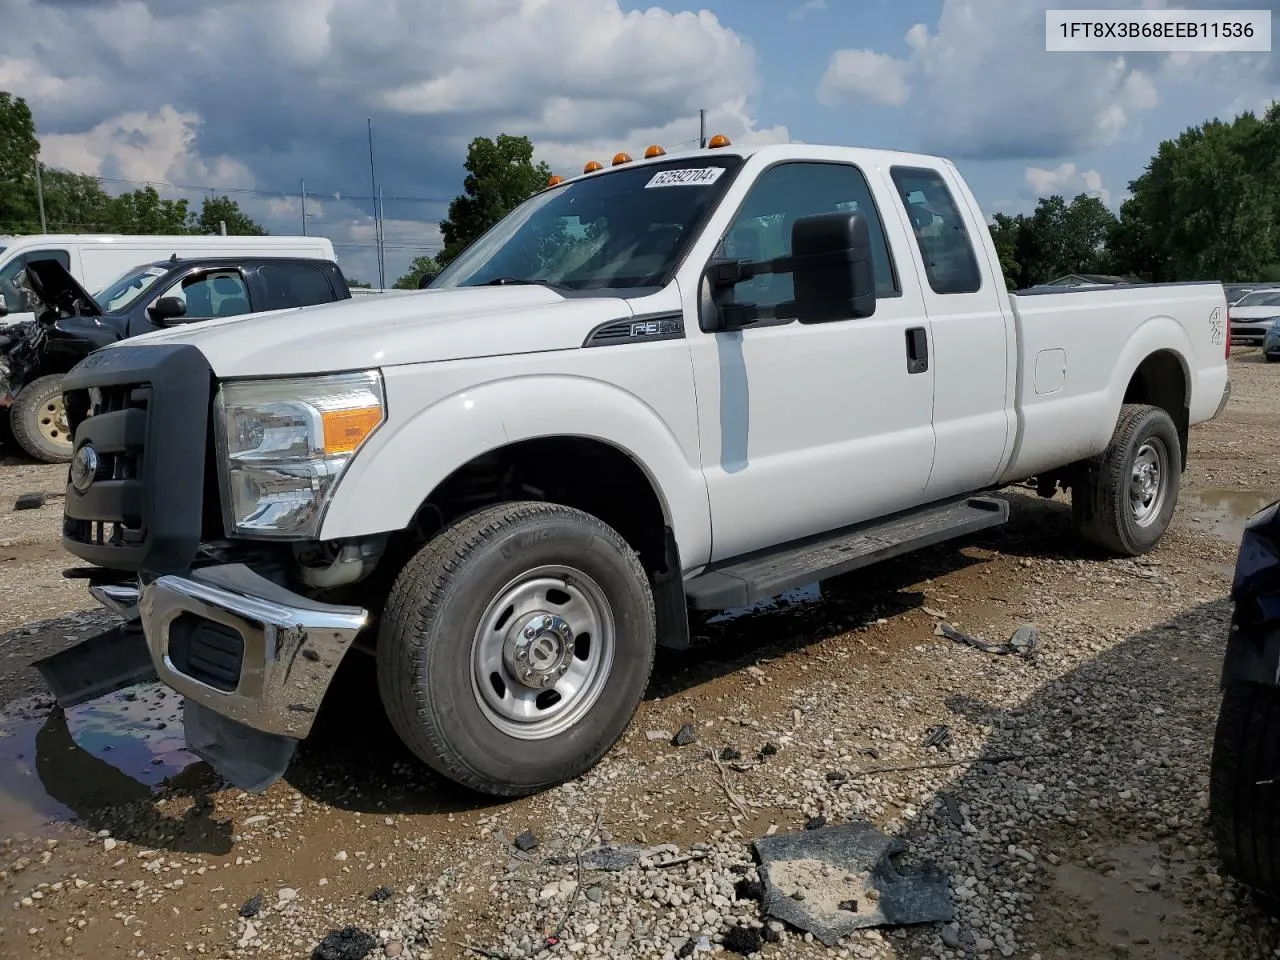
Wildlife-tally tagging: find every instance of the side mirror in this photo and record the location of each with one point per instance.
(166, 309)
(832, 276)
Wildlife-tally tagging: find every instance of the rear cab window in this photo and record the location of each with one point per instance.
(290, 285)
(939, 228)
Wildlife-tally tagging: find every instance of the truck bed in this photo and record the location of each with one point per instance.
(1080, 347)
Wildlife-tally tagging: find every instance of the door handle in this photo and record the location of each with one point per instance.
(917, 350)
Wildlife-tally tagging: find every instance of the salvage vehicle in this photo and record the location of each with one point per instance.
(1245, 768)
(95, 259)
(72, 323)
(683, 381)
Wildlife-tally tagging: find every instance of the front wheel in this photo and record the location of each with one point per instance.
(515, 647)
(39, 420)
(1125, 498)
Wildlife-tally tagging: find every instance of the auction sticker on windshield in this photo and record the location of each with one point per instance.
(697, 177)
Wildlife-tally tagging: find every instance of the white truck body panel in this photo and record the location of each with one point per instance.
(756, 437)
(96, 260)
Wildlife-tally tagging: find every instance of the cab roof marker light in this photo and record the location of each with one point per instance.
(654, 151)
(718, 141)
(592, 166)
(621, 158)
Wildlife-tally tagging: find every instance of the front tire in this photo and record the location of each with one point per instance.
(515, 647)
(1125, 500)
(1244, 786)
(39, 420)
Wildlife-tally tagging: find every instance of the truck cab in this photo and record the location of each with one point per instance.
(683, 381)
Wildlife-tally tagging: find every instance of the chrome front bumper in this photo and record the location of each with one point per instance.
(244, 647)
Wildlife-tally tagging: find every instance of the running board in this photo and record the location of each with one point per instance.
(745, 581)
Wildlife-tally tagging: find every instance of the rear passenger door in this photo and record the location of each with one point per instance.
(283, 286)
(973, 351)
(808, 428)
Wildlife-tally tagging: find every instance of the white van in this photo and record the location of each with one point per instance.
(96, 260)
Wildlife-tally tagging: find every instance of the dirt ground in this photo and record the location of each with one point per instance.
(1063, 795)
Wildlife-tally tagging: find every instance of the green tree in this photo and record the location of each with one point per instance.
(76, 203)
(1004, 234)
(215, 211)
(145, 211)
(423, 266)
(1207, 206)
(19, 150)
(500, 175)
(1061, 238)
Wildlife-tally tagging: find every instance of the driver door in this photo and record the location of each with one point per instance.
(809, 428)
(208, 294)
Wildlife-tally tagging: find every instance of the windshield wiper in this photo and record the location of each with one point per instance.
(520, 282)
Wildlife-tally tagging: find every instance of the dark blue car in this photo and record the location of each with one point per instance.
(1245, 773)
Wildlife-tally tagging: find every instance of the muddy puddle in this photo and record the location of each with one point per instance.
(1224, 512)
(60, 765)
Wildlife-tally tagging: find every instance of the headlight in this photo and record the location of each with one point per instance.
(283, 445)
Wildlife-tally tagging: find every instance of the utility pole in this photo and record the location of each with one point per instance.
(304, 207)
(382, 256)
(222, 228)
(44, 227)
(377, 222)
(702, 129)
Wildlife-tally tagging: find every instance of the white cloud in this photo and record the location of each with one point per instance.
(1067, 181)
(143, 146)
(864, 75)
(808, 7)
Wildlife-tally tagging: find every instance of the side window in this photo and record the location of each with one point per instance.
(783, 194)
(221, 293)
(945, 248)
(295, 285)
(13, 285)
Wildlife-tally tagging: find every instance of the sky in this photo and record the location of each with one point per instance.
(249, 98)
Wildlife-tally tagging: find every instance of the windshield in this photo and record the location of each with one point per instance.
(1260, 298)
(623, 229)
(126, 288)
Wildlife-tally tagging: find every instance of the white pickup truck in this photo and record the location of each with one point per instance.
(689, 380)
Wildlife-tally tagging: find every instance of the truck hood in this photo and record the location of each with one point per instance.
(420, 327)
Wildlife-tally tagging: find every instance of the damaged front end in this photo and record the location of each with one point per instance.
(214, 621)
(1253, 645)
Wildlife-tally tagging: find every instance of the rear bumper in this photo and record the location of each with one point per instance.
(244, 647)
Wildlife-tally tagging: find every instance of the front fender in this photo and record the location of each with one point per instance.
(409, 457)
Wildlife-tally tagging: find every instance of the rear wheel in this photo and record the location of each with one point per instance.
(515, 647)
(1124, 501)
(39, 420)
(1244, 787)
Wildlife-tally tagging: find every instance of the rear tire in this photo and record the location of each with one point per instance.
(39, 420)
(1125, 500)
(515, 647)
(1244, 787)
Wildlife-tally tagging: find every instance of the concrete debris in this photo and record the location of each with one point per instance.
(812, 878)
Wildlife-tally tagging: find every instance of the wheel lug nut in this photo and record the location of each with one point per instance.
(528, 633)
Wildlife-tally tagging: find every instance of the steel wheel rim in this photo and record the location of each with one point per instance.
(53, 421)
(542, 652)
(1148, 481)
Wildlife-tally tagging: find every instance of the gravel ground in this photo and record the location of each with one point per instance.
(1063, 794)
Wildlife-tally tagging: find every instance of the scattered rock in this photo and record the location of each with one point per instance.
(285, 894)
(349, 943)
(684, 736)
(743, 940)
(526, 841)
(109, 844)
(252, 907)
(815, 823)
(658, 734)
(381, 894)
(729, 754)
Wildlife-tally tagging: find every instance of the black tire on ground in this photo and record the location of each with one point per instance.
(1244, 787)
(1114, 504)
(38, 421)
(466, 616)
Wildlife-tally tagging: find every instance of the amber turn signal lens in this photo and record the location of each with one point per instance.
(718, 141)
